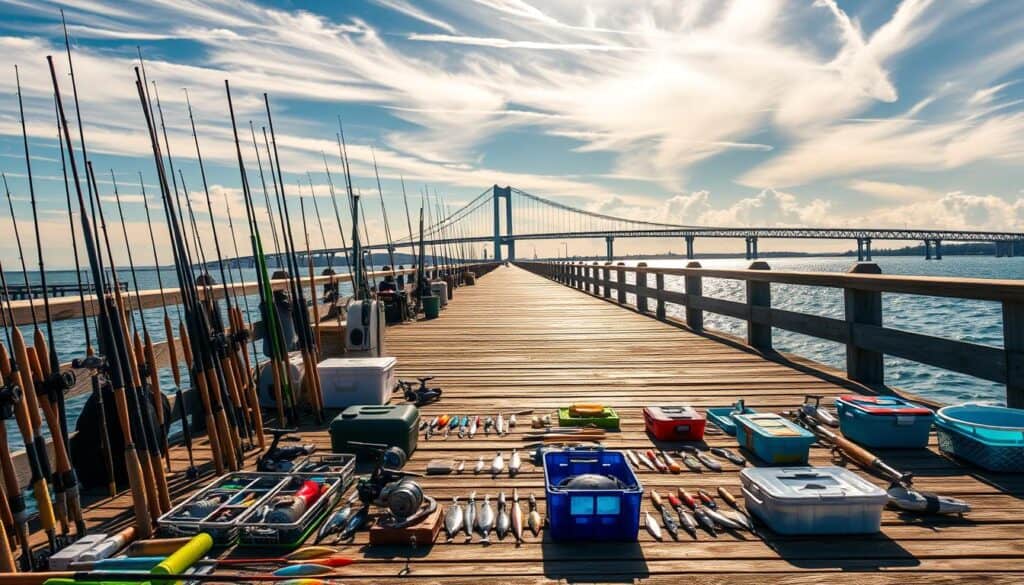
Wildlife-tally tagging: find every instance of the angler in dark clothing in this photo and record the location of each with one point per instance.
(388, 284)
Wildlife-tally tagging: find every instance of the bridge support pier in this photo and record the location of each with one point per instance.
(609, 243)
(751, 248)
(689, 247)
(863, 249)
(938, 249)
(927, 249)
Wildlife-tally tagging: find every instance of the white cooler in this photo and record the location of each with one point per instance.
(350, 381)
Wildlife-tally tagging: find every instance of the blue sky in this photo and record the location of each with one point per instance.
(749, 112)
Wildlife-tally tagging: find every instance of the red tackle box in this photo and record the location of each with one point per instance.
(674, 423)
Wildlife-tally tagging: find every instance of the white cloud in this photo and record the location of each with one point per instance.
(411, 11)
(893, 191)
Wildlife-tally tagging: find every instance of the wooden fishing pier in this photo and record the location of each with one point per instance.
(518, 340)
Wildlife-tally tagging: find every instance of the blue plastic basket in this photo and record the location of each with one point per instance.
(591, 514)
(988, 436)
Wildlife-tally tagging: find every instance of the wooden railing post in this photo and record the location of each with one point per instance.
(594, 287)
(641, 287)
(759, 294)
(694, 286)
(1013, 345)
(863, 306)
(621, 281)
(605, 276)
(659, 307)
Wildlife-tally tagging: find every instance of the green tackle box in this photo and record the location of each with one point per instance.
(394, 425)
(610, 419)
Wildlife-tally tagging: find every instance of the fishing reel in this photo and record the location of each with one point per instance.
(10, 395)
(56, 384)
(422, 395)
(402, 498)
(281, 459)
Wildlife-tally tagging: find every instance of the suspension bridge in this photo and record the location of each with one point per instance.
(500, 217)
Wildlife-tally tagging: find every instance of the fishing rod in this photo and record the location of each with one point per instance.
(146, 357)
(425, 203)
(408, 220)
(7, 562)
(14, 405)
(97, 389)
(243, 334)
(30, 380)
(301, 312)
(364, 290)
(51, 383)
(274, 329)
(109, 334)
(330, 262)
(312, 273)
(202, 367)
(225, 345)
(266, 194)
(279, 251)
(384, 214)
(207, 305)
(337, 213)
(145, 443)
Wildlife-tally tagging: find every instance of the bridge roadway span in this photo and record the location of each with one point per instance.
(517, 341)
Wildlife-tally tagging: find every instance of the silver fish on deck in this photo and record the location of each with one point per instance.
(511, 422)
(687, 521)
(469, 518)
(517, 516)
(336, 523)
(705, 520)
(461, 466)
(504, 520)
(499, 425)
(723, 520)
(652, 526)
(473, 425)
(355, 522)
(533, 518)
(742, 519)
(497, 464)
(453, 519)
(485, 519)
(479, 465)
(670, 523)
(733, 457)
(514, 463)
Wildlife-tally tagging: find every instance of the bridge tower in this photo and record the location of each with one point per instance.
(499, 239)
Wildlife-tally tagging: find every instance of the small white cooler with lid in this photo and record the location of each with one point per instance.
(813, 500)
(350, 381)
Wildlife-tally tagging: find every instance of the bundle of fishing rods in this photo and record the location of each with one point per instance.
(215, 338)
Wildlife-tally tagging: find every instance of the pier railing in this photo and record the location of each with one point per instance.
(862, 330)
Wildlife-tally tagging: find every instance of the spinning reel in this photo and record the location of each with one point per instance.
(421, 395)
(281, 459)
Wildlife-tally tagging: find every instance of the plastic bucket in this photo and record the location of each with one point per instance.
(431, 306)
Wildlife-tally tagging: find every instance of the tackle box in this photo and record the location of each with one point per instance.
(884, 421)
(988, 436)
(772, 438)
(394, 425)
(270, 523)
(609, 420)
(591, 514)
(439, 288)
(218, 508)
(813, 500)
(674, 423)
(364, 380)
(342, 463)
(721, 416)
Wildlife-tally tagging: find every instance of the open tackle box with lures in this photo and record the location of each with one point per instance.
(217, 508)
(297, 505)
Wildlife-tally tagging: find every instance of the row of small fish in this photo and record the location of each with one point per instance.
(498, 464)
(344, 522)
(692, 458)
(482, 519)
(466, 426)
(692, 513)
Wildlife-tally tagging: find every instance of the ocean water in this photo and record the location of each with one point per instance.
(971, 321)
